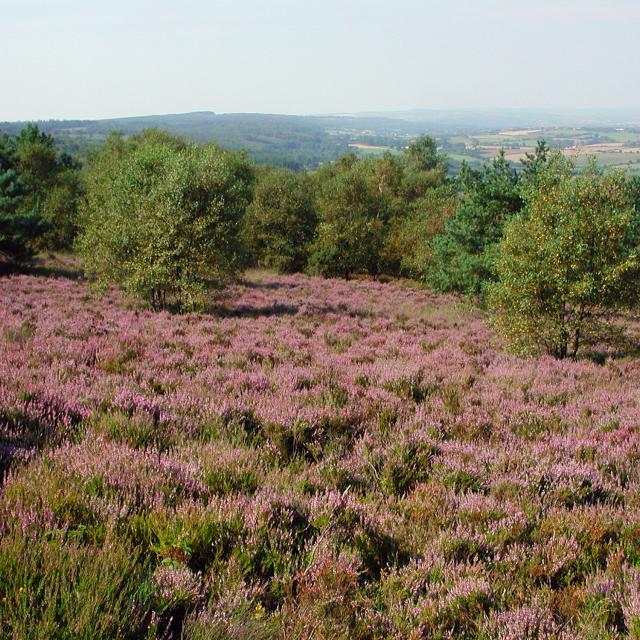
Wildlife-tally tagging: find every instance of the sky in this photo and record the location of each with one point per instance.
(86, 59)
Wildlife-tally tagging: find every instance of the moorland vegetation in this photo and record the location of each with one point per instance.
(432, 433)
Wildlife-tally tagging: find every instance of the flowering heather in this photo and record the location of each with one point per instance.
(310, 459)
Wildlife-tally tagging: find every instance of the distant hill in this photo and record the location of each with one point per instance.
(308, 141)
(459, 121)
(293, 141)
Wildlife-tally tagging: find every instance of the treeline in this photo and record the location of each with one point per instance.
(552, 251)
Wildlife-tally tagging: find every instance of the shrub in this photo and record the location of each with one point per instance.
(19, 225)
(60, 210)
(408, 247)
(162, 218)
(351, 221)
(423, 168)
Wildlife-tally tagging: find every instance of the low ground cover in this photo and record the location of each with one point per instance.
(310, 459)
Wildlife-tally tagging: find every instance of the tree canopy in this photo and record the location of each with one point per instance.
(20, 222)
(281, 221)
(464, 255)
(162, 217)
(568, 260)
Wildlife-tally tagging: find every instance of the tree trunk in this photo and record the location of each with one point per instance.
(576, 343)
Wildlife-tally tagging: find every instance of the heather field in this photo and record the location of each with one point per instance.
(311, 459)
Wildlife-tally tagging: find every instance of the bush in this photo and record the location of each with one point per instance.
(281, 221)
(162, 218)
(568, 261)
(60, 210)
(51, 187)
(423, 169)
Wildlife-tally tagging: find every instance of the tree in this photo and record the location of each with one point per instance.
(533, 164)
(424, 168)
(568, 260)
(60, 209)
(408, 247)
(464, 255)
(162, 217)
(280, 222)
(422, 155)
(351, 212)
(12, 189)
(635, 187)
(36, 161)
(40, 189)
(16, 231)
(19, 226)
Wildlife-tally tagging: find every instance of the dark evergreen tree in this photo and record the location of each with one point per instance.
(18, 227)
(534, 163)
(464, 256)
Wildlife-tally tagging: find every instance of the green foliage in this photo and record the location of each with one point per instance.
(162, 217)
(60, 209)
(51, 588)
(424, 168)
(39, 191)
(280, 222)
(364, 205)
(408, 248)
(52, 184)
(12, 189)
(37, 161)
(533, 164)
(16, 230)
(569, 260)
(18, 225)
(635, 188)
(464, 256)
(351, 220)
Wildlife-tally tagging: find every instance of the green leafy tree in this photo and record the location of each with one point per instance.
(464, 255)
(162, 217)
(423, 155)
(12, 189)
(635, 187)
(408, 247)
(41, 188)
(16, 232)
(568, 260)
(412, 186)
(352, 213)
(60, 209)
(280, 222)
(424, 168)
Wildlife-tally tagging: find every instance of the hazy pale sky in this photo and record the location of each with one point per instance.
(87, 59)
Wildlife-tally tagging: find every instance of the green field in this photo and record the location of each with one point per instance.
(611, 147)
